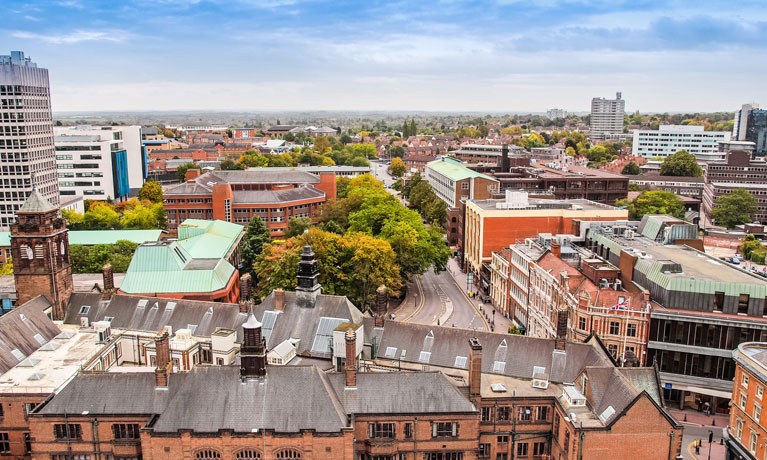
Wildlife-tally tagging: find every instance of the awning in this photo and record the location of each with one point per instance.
(705, 391)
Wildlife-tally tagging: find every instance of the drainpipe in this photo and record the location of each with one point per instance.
(95, 431)
(513, 421)
(415, 438)
(66, 433)
(581, 437)
(670, 445)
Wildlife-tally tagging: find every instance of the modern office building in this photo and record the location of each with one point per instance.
(670, 139)
(27, 157)
(607, 116)
(453, 182)
(99, 162)
(737, 170)
(556, 113)
(751, 125)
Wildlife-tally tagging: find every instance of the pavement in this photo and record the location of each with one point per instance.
(696, 430)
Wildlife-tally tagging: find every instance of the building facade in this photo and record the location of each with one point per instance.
(669, 139)
(99, 162)
(751, 125)
(27, 156)
(747, 430)
(607, 116)
(553, 114)
(737, 170)
(453, 182)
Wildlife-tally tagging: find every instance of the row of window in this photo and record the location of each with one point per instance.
(524, 413)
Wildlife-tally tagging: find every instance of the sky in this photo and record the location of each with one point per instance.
(421, 55)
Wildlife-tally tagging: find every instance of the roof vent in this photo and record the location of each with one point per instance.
(498, 388)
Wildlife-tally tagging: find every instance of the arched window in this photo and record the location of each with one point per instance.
(248, 454)
(287, 454)
(207, 454)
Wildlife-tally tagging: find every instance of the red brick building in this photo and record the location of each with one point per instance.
(237, 196)
(747, 430)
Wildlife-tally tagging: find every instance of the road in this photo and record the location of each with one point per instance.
(693, 433)
(440, 296)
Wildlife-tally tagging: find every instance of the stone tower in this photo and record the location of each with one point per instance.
(253, 351)
(308, 279)
(40, 250)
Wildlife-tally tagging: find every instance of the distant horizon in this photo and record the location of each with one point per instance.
(443, 56)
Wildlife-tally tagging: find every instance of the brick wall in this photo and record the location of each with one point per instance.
(15, 422)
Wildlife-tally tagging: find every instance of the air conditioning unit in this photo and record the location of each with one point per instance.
(573, 418)
(84, 322)
(604, 284)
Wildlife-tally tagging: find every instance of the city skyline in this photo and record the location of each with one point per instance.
(499, 56)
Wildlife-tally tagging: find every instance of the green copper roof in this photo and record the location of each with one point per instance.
(454, 169)
(36, 202)
(208, 238)
(195, 263)
(91, 237)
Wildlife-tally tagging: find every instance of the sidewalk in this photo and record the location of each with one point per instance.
(502, 324)
(699, 418)
(718, 451)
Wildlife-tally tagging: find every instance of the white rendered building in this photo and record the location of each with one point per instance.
(670, 139)
(607, 116)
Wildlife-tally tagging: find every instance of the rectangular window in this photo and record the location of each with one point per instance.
(525, 413)
(754, 440)
(502, 456)
(743, 304)
(555, 431)
(613, 349)
(542, 413)
(582, 323)
(443, 429)
(70, 431)
(718, 301)
(408, 430)
(615, 328)
(443, 456)
(522, 449)
(5, 444)
(743, 401)
(744, 380)
(503, 439)
(381, 430)
(126, 430)
(27, 443)
(757, 412)
(486, 414)
(503, 413)
(567, 441)
(631, 330)
(484, 450)
(759, 392)
(539, 448)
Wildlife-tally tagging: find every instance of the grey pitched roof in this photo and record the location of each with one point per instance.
(187, 188)
(259, 176)
(609, 388)
(127, 313)
(302, 323)
(400, 393)
(25, 329)
(36, 202)
(520, 356)
(644, 378)
(277, 196)
(132, 393)
(268, 403)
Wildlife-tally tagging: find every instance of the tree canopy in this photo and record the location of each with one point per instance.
(737, 208)
(631, 169)
(654, 202)
(397, 167)
(131, 214)
(681, 164)
(182, 169)
(256, 236)
(151, 191)
(90, 259)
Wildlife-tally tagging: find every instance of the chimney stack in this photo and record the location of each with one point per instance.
(109, 281)
(245, 285)
(505, 158)
(382, 301)
(475, 368)
(561, 330)
(308, 279)
(162, 359)
(350, 367)
(556, 249)
(279, 299)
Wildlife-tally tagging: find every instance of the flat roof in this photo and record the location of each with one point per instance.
(455, 170)
(52, 365)
(535, 203)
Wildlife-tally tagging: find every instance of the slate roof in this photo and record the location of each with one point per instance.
(36, 202)
(644, 379)
(130, 393)
(268, 403)
(400, 393)
(277, 196)
(126, 314)
(520, 356)
(303, 323)
(259, 176)
(18, 329)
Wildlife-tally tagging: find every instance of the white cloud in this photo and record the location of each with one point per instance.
(75, 36)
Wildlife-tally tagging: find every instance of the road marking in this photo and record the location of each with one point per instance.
(474, 306)
(420, 305)
(690, 448)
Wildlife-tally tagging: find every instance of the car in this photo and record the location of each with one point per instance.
(735, 261)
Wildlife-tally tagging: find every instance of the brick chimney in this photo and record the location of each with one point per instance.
(162, 359)
(382, 301)
(109, 281)
(350, 367)
(561, 330)
(245, 285)
(505, 158)
(279, 299)
(475, 368)
(191, 174)
(556, 249)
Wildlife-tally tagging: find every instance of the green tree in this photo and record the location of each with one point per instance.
(654, 202)
(102, 217)
(682, 164)
(297, 225)
(322, 145)
(256, 235)
(75, 220)
(635, 188)
(398, 168)
(631, 169)
(737, 208)
(181, 170)
(230, 165)
(346, 139)
(151, 191)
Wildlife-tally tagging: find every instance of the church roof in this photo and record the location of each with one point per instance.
(36, 202)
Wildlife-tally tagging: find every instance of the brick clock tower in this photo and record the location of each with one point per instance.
(40, 250)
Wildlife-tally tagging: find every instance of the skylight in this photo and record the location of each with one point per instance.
(18, 354)
(424, 357)
(391, 352)
(460, 361)
(499, 367)
(40, 339)
(85, 309)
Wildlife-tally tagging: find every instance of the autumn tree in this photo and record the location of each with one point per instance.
(398, 168)
(151, 191)
(256, 235)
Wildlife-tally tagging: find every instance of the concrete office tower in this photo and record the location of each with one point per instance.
(669, 139)
(26, 135)
(99, 162)
(607, 116)
(751, 125)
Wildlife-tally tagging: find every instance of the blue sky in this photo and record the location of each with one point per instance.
(449, 55)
